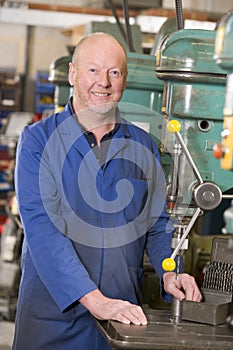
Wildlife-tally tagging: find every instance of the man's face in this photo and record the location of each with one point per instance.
(99, 76)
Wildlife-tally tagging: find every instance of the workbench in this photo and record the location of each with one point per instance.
(162, 333)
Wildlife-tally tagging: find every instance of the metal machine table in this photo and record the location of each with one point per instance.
(163, 334)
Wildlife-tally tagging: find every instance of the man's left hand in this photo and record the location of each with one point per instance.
(182, 286)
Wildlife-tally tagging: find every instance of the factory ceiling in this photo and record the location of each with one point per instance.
(106, 8)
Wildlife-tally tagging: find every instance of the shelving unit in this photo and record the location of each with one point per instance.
(44, 93)
(10, 93)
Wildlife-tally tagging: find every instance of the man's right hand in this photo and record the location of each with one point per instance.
(104, 308)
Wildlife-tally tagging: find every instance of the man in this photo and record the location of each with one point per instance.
(90, 193)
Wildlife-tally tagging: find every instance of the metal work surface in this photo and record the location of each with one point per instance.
(163, 334)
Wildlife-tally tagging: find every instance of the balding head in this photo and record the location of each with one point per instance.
(98, 39)
(98, 73)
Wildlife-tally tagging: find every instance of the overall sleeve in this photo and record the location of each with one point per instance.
(53, 255)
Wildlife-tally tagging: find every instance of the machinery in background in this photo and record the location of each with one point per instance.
(194, 90)
(58, 75)
(194, 94)
(224, 151)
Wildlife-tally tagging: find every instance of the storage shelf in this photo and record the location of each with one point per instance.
(44, 93)
(10, 91)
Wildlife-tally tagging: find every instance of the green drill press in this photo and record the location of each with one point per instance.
(194, 95)
(194, 92)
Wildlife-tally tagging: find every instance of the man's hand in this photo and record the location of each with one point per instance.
(185, 282)
(105, 308)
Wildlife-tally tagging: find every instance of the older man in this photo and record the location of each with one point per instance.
(90, 190)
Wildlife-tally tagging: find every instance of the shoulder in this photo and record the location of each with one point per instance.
(40, 131)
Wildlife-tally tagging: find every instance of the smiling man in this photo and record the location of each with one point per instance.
(98, 78)
(90, 191)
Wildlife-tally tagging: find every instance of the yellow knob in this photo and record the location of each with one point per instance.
(169, 264)
(173, 126)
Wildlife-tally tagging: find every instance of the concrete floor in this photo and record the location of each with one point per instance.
(6, 335)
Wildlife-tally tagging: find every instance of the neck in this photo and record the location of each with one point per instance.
(99, 132)
(98, 124)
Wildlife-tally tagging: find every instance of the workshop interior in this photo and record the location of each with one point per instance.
(180, 90)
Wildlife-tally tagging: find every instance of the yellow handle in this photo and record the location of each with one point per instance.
(173, 126)
(169, 264)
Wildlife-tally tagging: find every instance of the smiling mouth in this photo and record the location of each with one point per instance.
(101, 94)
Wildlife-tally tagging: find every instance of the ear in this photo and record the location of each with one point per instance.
(71, 74)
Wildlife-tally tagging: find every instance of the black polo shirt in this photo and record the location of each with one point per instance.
(100, 150)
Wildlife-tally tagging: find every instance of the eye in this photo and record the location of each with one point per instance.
(92, 70)
(115, 73)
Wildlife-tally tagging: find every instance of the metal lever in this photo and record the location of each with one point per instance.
(169, 264)
(186, 232)
(207, 195)
(173, 126)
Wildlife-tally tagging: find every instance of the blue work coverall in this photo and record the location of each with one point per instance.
(87, 226)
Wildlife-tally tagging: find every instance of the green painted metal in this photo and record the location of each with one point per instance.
(142, 100)
(188, 50)
(59, 69)
(58, 75)
(194, 95)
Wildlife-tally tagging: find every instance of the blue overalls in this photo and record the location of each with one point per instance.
(86, 227)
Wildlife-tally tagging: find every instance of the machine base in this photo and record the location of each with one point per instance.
(162, 333)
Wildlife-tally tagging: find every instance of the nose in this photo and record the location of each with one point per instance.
(103, 79)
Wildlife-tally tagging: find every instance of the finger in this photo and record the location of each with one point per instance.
(178, 294)
(137, 316)
(196, 295)
(191, 289)
(132, 314)
(174, 288)
(127, 318)
(122, 319)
